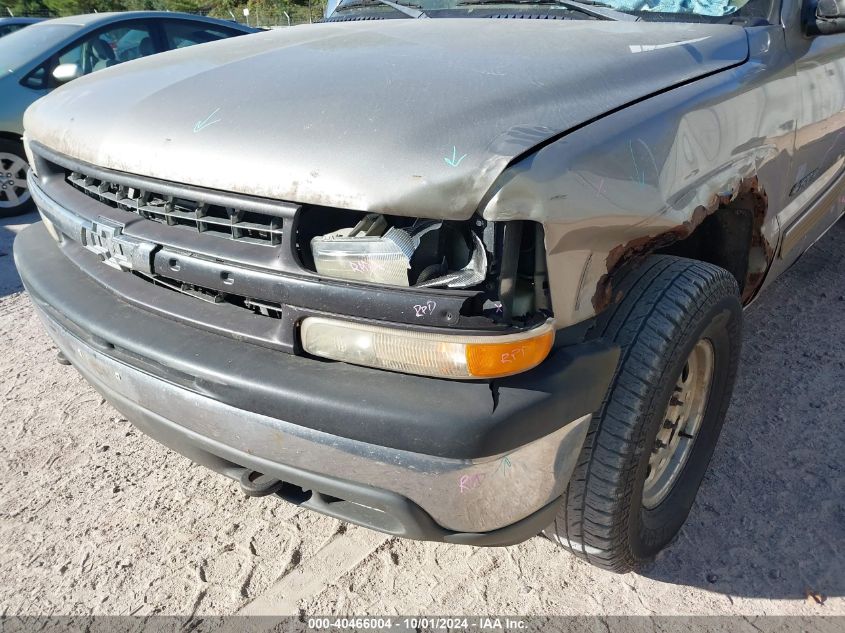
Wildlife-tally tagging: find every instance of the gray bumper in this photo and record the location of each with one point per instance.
(460, 496)
(494, 499)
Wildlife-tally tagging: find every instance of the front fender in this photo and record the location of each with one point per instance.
(648, 174)
(14, 101)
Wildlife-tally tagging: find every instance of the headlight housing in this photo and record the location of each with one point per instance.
(440, 355)
(425, 253)
(370, 252)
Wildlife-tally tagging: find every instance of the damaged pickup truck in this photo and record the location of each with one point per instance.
(460, 272)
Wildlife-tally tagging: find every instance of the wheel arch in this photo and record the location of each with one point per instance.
(728, 233)
(11, 136)
(732, 237)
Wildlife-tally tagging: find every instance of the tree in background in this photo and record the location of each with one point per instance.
(24, 7)
(184, 6)
(226, 9)
(140, 5)
(76, 7)
(263, 12)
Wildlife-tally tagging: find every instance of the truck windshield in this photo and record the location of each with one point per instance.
(21, 47)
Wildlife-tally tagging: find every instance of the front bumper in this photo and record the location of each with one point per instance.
(416, 457)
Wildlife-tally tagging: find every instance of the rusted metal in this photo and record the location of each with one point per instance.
(641, 247)
(756, 276)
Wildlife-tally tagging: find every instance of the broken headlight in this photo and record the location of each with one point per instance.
(423, 254)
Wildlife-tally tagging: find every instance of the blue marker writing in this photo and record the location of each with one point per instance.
(454, 161)
(201, 125)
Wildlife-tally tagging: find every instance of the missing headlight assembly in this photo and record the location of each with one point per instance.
(503, 262)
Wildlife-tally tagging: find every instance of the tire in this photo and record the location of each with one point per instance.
(14, 198)
(672, 311)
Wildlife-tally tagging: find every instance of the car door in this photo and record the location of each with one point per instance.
(816, 196)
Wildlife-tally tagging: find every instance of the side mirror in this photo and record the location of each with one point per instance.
(824, 17)
(64, 73)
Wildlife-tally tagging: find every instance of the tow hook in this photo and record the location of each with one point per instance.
(255, 484)
(61, 359)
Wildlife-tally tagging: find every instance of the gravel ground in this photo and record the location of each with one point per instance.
(95, 518)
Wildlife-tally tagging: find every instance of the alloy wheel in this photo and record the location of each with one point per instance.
(14, 191)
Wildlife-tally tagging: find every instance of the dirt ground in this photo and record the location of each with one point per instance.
(95, 518)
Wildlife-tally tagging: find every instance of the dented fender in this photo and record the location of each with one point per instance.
(649, 174)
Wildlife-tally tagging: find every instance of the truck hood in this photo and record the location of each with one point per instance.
(410, 117)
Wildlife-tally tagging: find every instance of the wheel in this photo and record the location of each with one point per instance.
(14, 193)
(679, 326)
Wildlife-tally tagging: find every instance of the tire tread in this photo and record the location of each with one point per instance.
(658, 299)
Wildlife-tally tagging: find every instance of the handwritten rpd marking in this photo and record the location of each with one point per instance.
(454, 161)
(366, 266)
(206, 122)
(511, 356)
(473, 481)
(427, 308)
(470, 482)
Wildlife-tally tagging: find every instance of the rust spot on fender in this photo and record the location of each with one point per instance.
(761, 252)
(642, 246)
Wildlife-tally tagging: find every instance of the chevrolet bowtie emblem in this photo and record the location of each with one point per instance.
(106, 240)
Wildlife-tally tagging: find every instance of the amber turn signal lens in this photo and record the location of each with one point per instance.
(492, 360)
(442, 354)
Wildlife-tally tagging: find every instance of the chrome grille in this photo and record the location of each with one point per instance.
(226, 222)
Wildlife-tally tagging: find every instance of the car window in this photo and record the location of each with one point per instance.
(110, 47)
(182, 33)
(8, 28)
(28, 45)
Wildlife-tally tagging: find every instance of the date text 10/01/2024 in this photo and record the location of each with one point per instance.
(481, 623)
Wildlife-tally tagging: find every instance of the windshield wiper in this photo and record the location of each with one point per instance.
(588, 7)
(411, 12)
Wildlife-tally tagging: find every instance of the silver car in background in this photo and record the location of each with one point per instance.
(36, 60)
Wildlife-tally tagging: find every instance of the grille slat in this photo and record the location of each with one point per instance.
(251, 227)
